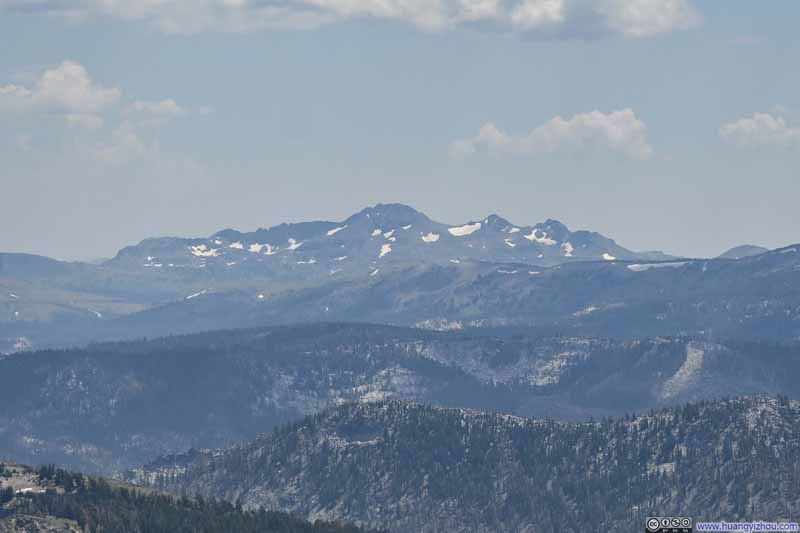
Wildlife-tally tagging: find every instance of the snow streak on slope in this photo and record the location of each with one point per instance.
(334, 231)
(686, 375)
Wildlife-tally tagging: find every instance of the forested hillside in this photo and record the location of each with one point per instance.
(113, 406)
(56, 500)
(411, 467)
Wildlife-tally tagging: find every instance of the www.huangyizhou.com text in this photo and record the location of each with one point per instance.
(747, 526)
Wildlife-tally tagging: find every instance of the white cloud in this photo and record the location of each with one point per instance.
(619, 131)
(474, 10)
(184, 16)
(87, 121)
(124, 146)
(65, 90)
(69, 93)
(644, 18)
(761, 129)
(565, 18)
(531, 14)
(162, 108)
(156, 113)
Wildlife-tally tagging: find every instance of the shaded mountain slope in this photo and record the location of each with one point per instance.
(410, 467)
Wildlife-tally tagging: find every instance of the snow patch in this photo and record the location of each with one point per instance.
(408, 227)
(271, 250)
(375, 272)
(568, 249)
(549, 372)
(608, 257)
(385, 249)
(256, 248)
(195, 295)
(334, 231)
(294, 245)
(430, 237)
(513, 230)
(587, 311)
(544, 239)
(506, 271)
(376, 232)
(237, 245)
(341, 258)
(510, 243)
(466, 229)
(13, 296)
(204, 251)
(642, 267)
(388, 234)
(456, 261)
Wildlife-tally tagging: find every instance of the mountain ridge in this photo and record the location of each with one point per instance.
(412, 467)
(390, 263)
(379, 231)
(114, 405)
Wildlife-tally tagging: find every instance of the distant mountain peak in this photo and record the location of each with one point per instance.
(497, 222)
(555, 225)
(228, 234)
(744, 250)
(388, 215)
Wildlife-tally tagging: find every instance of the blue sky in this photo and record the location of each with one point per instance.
(664, 124)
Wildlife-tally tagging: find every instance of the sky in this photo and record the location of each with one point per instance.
(663, 124)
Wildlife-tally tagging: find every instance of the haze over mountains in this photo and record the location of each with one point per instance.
(392, 264)
(394, 372)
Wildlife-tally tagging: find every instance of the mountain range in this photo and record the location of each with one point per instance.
(370, 238)
(395, 372)
(392, 264)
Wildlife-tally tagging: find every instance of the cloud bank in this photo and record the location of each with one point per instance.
(618, 131)
(65, 90)
(69, 93)
(557, 18)
(761, 129)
